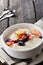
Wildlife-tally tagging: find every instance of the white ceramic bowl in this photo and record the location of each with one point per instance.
(24, 54)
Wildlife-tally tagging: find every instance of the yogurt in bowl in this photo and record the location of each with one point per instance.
(23, 40)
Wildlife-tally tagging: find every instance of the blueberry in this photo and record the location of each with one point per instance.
(21, 43)
(40, 37)
(25, 38)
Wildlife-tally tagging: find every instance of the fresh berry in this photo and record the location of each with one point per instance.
(15, 41)
(11, 40)
(40, 37)
(7, 40)
(30, 38)
(19, 36)
(21, 43)
(25, 38)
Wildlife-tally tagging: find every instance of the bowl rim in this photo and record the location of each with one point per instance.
(25, 49)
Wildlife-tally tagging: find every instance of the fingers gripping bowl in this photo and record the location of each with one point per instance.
(27, 45)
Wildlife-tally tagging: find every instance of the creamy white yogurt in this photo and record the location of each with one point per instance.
(28, 45)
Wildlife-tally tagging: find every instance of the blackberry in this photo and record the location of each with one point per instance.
(21, 43)
(7, 40)
(40, 37)
(15, 41)
(25, 38)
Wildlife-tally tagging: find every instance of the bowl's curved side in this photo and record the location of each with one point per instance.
(9, 30)
(24, 53)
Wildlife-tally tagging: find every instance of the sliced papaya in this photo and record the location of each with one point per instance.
(9, 43)
(30, 37)
(19, 33)
(35, 32)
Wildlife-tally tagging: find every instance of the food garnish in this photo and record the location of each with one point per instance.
(9, 43)
(23, 37)
(35, 32)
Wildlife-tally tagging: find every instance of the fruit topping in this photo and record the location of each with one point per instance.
(19, 33)
(19, 36)
(11, 40)
(40, 37)
(25, 38)
(21, 43)
(9, 43)
(35, 32)
(30, 37)
(15, 41)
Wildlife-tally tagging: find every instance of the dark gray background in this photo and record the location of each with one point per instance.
(24, 9)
